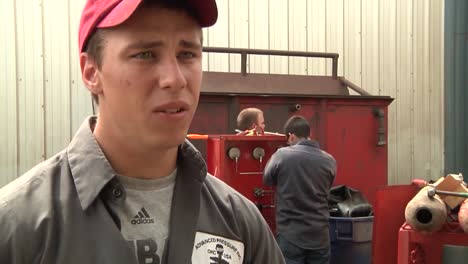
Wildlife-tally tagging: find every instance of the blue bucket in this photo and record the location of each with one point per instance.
(351, 240)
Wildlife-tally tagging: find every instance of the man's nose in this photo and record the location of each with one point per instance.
(171, 75)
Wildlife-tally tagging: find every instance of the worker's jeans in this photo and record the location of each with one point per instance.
(296, 255)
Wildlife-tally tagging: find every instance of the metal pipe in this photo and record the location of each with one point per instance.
(244, 63)
(380, 115)
(335, 67)
(354, 87)
(431, 191)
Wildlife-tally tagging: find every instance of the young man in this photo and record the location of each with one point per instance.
(303, 175)
(251, 119)
(129, 188)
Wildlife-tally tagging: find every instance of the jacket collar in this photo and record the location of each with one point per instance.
(308, 142)
(89, 167)
(91, 171)
(191, 160)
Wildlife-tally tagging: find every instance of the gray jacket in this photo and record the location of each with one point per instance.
(303, 174)
(59, 212)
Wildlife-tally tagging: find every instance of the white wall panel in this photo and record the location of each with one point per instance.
(297, 14)
(80, 101)
(238, 26)
(219, 37)
(352, 39)
(56, 76)
(388, 79)
(405, 92)
(8, 91)
(421, 89)
(278, 32)
(259, 35)
(369, 73)
(424, 68)
(316, 32)
(436, 83)
(335, 32)
(206, 55)
(388, 47)
(30, 85)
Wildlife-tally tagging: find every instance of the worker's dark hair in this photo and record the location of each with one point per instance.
(247, 117)
(95, 45)
(298, 126)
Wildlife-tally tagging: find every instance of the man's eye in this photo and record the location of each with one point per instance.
(144, 55)
(187, 55)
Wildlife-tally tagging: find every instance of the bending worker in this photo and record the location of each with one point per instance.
(303, 175)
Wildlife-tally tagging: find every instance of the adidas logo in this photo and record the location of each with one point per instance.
(142, 217)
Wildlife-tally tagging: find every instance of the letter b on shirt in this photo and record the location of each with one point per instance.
(146, 252)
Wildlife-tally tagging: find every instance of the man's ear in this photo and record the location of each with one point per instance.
(293, 138)
(89, 73)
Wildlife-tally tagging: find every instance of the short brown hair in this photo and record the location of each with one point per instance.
(298, 126)
(247, 117)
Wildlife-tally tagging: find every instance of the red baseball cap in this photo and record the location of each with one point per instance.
(110, 13)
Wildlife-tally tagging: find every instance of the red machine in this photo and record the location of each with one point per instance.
(240, 160)
(446, 246)
(353, 128)
(389, 211)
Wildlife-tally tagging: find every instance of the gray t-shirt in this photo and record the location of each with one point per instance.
(145, 215)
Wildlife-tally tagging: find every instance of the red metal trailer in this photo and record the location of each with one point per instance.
(353, 128)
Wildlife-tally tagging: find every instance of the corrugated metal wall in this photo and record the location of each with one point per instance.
(456, 85)
(388, 47)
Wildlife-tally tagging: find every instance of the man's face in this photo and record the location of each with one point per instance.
(261, 121)
(150, 77)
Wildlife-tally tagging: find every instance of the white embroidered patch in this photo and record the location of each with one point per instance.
(213, 249)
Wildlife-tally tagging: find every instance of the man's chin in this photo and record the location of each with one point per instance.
(172, 141)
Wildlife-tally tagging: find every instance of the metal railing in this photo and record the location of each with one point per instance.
(245, 52)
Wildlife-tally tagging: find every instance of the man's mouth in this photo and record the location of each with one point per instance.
(173, 110)
(172, 107)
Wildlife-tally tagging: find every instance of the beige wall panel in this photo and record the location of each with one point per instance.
(422, 137)
(206, 55)
(56, 76)
(405, 111)
(351, 56)
(80, 98)
(426, 141)
(8, 91)
(258, 35)
(436, 82)
(370, 46)
(335, 32)
(388, 79)
(238, 26)
(297, 14)
(278, 35)
(316, 41)
(30, 74)
(218, 36)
